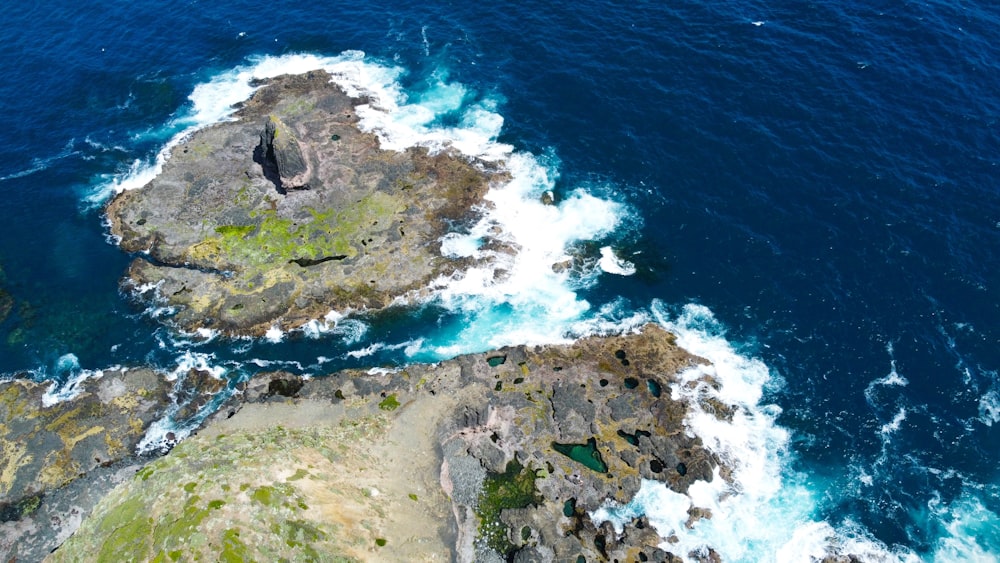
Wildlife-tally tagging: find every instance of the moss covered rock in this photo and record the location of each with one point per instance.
(56, 461)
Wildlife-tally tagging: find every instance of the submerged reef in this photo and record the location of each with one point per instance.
(461, 464)
(6, 301)
(290, 211)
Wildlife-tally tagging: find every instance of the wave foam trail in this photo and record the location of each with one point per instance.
(39, 164)
(765, 511)
(352, 330)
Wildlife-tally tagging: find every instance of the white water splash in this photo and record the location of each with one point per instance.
(767, 512)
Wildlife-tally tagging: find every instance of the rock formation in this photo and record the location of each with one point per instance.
(47, 450)
(280, 156)
(230, 253)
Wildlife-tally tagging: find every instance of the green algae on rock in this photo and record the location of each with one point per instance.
(290, 211)
(45, 447)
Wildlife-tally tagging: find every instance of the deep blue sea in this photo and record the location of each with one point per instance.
(807, 192)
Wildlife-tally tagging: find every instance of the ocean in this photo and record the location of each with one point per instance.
(805, 192)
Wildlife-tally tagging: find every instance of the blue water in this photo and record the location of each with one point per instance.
(821, 176)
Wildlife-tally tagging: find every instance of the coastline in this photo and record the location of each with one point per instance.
(448, 434)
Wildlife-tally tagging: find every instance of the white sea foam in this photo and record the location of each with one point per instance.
(351, 330)
(196, 361)
(892, 426)
(892, 379)
(371, 349)
(274, 335)
(528, 294)
(67, 369)
(611, 318)
(989, 408)
(366, 351)
(971, 531)
(612, 264)
(766, 512)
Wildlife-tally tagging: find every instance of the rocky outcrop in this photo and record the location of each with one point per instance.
(58, 461)
(513, 447)
(280, 156)
(216, 241)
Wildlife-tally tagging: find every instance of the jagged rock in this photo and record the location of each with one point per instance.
(194, 391)
(281, 156)
(467, 448)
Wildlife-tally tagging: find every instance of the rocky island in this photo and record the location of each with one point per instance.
(290, 211)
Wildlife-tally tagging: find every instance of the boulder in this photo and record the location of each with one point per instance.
(281, 157)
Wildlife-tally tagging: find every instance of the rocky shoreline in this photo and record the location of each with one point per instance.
(504, 452)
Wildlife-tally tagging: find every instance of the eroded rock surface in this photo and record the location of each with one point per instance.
(497, 456)
(291, 211)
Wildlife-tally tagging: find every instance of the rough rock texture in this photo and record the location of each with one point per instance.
(234, 249)
(45, 451)
(280, 156)
(344, 466)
